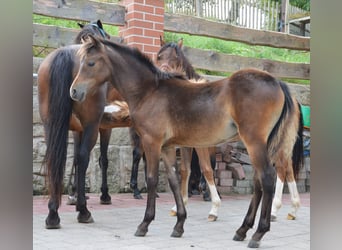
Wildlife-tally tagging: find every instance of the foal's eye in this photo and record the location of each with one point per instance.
(91, 64)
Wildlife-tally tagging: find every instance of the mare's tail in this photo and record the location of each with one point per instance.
(57, 127)
(286, 138)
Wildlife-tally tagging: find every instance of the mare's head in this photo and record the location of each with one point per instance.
(94, 68)
(171, 58)
(94, 28)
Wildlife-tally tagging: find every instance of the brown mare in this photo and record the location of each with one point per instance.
(60, 114)
(171, 58)
(167, 110)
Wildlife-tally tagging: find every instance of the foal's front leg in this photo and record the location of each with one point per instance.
(87, 143)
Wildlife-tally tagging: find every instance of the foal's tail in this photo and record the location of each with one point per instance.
(287, 135)
(57, 126)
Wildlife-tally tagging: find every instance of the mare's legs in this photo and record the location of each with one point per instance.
(264, 180)
(204, 162)
(103, 161)
(185, 171)
(88, 141)
(137, 155)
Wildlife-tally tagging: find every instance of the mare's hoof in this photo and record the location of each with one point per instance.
(105, 200)
(238, 237)
(52, 224)
(254, 244)
(138, 196)
(177, 234)
(85, 218)
(173, 213)
(291, 217)
(140, 232)
(212, 217)
(273, 218)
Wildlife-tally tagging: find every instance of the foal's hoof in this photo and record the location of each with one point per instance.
(177, 234)
(173, 213)
(239, 237)
(291, 217)
(254, 244)
(52, 224)
(140, 232)
(85, 218)
(212, 217)
(273, 218)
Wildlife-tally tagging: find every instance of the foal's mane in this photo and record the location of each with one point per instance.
(186, 65)
(131, 52)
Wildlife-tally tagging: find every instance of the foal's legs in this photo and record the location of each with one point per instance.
(169, 158)
(103, 161)
(185, 171)
(285, 172)
(207, 171)
(88, 141)
(264, 181)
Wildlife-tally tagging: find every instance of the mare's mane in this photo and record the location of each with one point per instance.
(136, 54)
(187, 67)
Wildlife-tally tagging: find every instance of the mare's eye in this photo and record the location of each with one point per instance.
(91, 64)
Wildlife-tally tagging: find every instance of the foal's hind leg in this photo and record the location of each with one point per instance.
(169, 158)
(185, 171)
(295, 200)
(264, 181)
(103, 161)
(204, 162)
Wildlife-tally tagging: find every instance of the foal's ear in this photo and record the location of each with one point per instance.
(81, 25)
(162, 42)
(180, 43)
(99, 23)
(94, 41)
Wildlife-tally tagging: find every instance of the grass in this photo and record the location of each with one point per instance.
(228, 47)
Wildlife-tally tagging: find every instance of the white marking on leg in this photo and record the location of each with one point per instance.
(294, 198)
(276, 204)
(112, 108)
(215, 200)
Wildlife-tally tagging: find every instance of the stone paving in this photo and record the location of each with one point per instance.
(115, 225)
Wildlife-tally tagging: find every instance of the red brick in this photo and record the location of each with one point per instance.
(140, 23)
(152, 33)
(237, 171)
(154, 18)
(144, 8)
(218, 157)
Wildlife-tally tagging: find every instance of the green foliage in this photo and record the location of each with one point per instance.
(303, 4)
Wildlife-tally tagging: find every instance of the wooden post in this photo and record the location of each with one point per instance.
(144, 25)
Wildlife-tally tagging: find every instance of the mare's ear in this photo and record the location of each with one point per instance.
(180, 43)
(162, 42)
(81, 25)
(99, 23)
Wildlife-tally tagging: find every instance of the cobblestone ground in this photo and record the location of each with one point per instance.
(115, 225)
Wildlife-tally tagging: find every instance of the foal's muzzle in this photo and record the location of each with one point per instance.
(77, 94)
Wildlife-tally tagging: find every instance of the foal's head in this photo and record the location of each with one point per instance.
(93, 28)
(94, 68)
(171, 58)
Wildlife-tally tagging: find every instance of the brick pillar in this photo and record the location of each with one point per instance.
(144, 25)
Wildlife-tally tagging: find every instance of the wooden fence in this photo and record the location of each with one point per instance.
(114, 14)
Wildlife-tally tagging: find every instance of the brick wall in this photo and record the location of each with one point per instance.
(144, 25)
